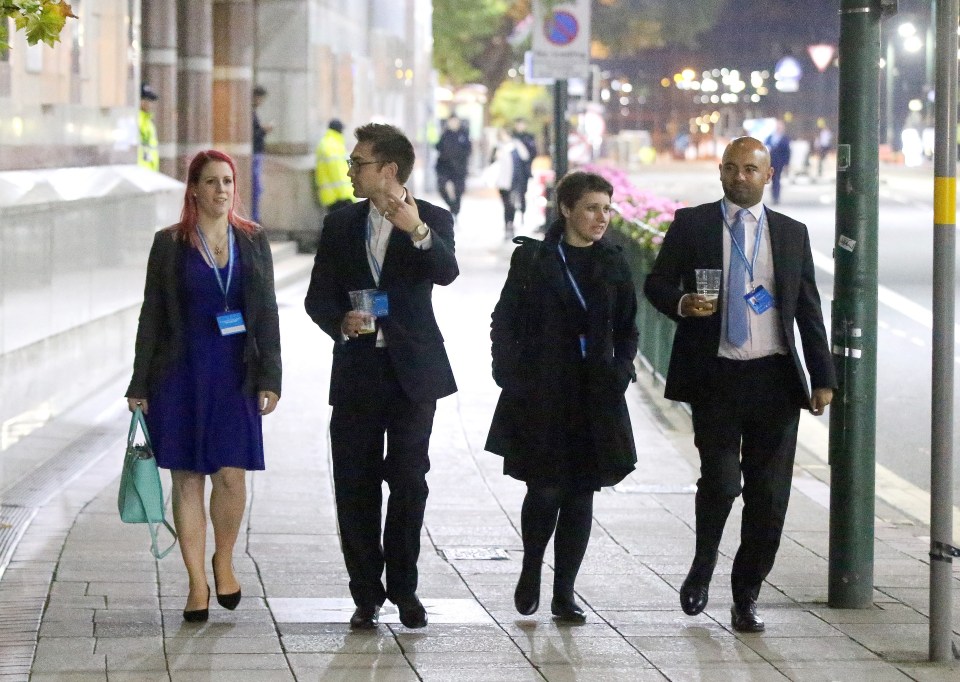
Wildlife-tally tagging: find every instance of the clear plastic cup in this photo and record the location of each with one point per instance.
(362, 301)
(708, 285)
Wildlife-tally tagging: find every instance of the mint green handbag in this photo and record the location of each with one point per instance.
(141, 495)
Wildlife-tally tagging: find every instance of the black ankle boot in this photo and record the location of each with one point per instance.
(527, 595)
(566, 610)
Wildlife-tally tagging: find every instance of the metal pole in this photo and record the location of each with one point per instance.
(944, 250)
(560, 132)
(560, 128)
(889, 68)
(854, 310)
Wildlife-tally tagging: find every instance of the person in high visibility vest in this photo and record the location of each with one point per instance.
(148, 150)
(334, 190)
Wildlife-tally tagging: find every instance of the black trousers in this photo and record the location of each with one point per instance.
(459, 183)
(360, 466)
(746, 426)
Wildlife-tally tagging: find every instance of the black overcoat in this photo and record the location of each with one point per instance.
(546, 384)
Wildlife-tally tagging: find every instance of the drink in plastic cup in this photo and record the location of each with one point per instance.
(708, 285)
(362, 300)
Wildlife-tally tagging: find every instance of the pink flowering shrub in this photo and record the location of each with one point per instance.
(641, 215)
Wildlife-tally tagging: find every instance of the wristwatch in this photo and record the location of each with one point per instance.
(421, 231)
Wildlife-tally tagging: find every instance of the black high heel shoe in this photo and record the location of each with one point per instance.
(198, 615)
(227, 601)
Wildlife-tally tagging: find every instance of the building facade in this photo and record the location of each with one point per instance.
(77, 215)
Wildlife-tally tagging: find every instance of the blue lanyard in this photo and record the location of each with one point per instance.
(573, 282)
(377, 268)
(213, 263)
(756, 245)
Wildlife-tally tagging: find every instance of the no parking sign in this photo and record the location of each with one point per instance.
(561, 39)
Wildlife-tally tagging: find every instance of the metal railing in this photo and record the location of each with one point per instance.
(656, 329)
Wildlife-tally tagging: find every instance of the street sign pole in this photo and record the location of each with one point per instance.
(944, 250)
(561, 128)
(854, 310)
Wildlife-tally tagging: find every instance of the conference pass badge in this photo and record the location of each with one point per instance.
(760, 300)
(231, 322)
(381, 305)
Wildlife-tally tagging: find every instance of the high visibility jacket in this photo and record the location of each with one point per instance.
(148, 151)
(333, 184)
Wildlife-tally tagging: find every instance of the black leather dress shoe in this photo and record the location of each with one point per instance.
(744, 618)
(694, 595)
(412, 613)
(567, 610)
(365, 618)
(527, 595)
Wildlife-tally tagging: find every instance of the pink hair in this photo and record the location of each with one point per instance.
(187, 227)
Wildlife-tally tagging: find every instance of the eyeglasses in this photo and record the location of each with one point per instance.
(353, 163)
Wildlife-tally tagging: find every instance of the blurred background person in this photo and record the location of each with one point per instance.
(334, 190)
(507, 175)
(148, 150)
(207, 368)
(525, 138)
(260, 132)
(453, 156)
(779, 145)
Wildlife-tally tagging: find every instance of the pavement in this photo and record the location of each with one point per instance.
(82, 599)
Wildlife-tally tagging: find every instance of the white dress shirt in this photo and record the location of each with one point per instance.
(378, 234)
(766, 334)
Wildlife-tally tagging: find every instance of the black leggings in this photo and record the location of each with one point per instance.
(570, 513)
(509, 199)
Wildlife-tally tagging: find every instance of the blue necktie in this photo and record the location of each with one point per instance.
(738, 327)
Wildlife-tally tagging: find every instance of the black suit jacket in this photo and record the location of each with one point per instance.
(414, 342)
(695, 240)
(160, 333)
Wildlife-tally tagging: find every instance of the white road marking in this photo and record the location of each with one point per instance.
(814, 434)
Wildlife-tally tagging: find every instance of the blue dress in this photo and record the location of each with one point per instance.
(199, 419)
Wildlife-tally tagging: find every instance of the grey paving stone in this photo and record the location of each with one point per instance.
(693, 652)
(379, 641)
(223, 645)
(931, 672)
(573, 673)
(462, 673)
(68, 655)
(424, 643)
(221, 662)
(808, 649)
(125, 630)
(68, 677)
(829, 671)
(175, 626)
(728, 672)
(140, 676)
(230, 676)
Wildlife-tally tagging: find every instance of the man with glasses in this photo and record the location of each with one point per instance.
(384, 385)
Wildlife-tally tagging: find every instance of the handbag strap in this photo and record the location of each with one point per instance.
(138, 419)
(154, 529)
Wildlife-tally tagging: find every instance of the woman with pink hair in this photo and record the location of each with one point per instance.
(207, 367)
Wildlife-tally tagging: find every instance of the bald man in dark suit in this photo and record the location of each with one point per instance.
(735, 360)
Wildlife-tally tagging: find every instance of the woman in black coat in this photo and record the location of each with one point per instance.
(564, 339)
(207, 368)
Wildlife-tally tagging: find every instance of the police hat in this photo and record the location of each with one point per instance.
(148, 93)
